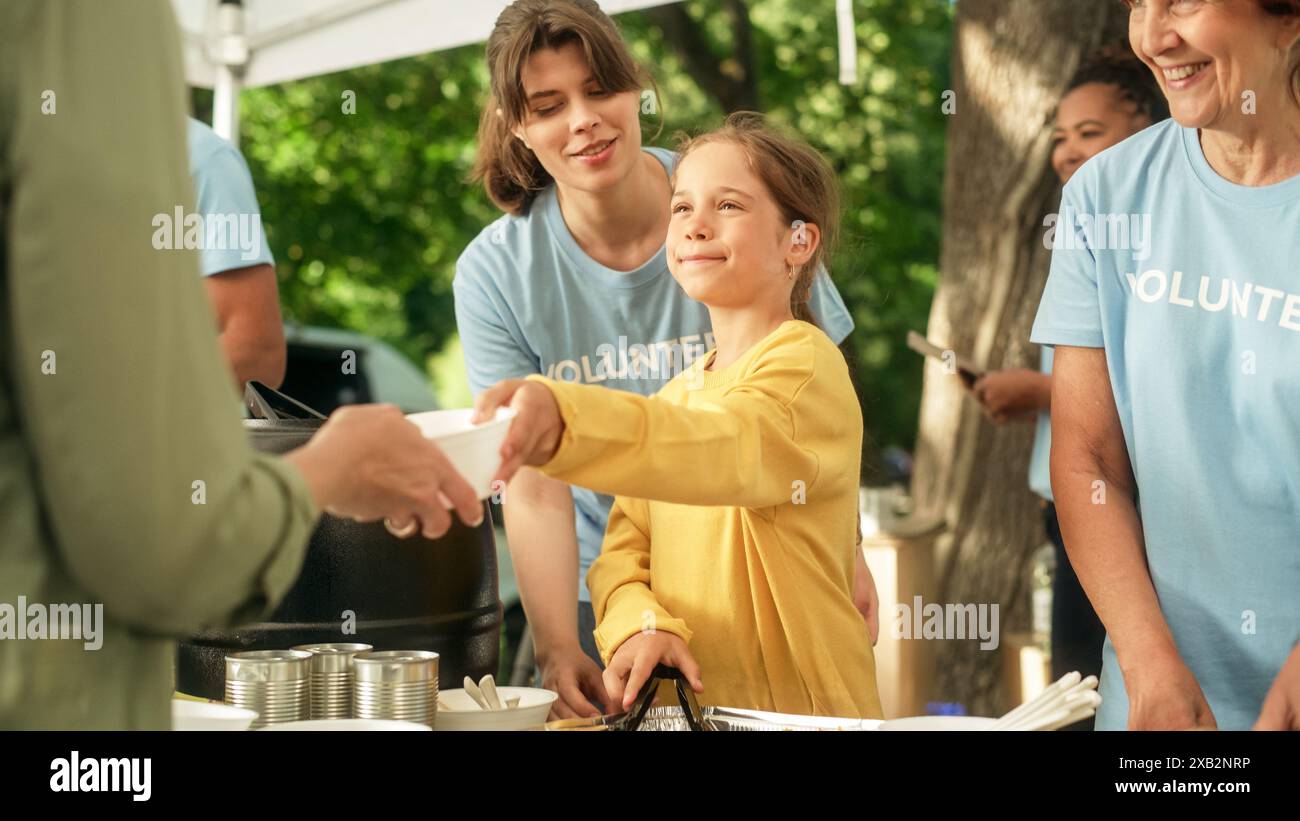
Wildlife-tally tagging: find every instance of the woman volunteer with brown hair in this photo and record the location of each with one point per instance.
(573, 283)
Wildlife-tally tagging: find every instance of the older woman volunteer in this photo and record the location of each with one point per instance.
(1174, 306)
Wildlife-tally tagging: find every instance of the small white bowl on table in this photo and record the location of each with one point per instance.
(458, 711)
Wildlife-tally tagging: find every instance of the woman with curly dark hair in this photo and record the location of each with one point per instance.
(1109, 99)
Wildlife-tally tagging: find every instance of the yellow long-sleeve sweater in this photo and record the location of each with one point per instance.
(734, 526)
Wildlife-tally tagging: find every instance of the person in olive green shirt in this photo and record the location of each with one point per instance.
(115, 402)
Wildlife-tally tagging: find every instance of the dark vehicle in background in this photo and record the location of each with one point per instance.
(328, 368)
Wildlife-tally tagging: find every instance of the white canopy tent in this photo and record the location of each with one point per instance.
(230, 45)
(234, 44)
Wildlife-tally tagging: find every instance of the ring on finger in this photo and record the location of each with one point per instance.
(405, 532)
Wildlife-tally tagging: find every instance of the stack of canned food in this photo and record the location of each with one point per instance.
(334, 681)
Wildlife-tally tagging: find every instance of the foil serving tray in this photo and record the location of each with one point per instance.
(731, 719)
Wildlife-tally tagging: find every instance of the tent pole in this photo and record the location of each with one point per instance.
(225, 104)
(848, 42)
(231, 55)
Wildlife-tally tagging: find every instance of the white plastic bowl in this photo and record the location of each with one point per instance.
(202, 715)
(474, 450)
(933, 723)
(347, 724)
(457, 711)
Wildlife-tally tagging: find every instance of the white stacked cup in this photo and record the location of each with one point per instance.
(331, 678)
(274, 683)
(396, 685)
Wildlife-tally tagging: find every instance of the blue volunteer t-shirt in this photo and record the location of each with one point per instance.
(1192, 285)
(232, 232)
(530, 300)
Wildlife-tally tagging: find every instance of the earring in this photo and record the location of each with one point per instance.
(791, 272)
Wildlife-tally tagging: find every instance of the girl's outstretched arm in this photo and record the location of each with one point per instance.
(741, 450)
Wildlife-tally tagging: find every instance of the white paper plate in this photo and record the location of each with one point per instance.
(939, 723)
(205, 716)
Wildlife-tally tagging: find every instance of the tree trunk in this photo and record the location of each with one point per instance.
(732, 81)
(1011, 62)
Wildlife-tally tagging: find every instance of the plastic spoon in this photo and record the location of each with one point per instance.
(476, 694)
(489, 688)
(1079, 709)
(1079, 695)
(1036, 704)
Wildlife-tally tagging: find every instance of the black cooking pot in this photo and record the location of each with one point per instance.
(405, 594)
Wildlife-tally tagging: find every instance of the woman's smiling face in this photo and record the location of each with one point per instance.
(585, 136)
(728, 245)
(1206, 55)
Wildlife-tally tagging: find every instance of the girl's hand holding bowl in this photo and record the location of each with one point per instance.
(537, 427)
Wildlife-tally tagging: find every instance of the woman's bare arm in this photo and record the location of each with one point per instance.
(1095, 492)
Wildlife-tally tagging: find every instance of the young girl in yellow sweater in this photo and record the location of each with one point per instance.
(730, 547)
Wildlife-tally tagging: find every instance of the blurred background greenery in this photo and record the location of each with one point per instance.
(366, 213)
